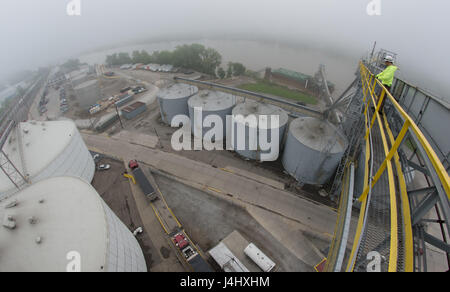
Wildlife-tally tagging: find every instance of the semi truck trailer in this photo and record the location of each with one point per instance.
(142, 181)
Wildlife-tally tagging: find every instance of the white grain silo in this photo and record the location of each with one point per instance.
(313, 150)
(248, 108)
(45, 149)
(173, 101)
(62, 224)
(212, 103)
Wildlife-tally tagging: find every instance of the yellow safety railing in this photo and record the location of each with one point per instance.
(370, 82)
(369, 86)
(391, 160)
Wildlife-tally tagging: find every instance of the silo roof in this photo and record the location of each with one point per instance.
(177, 90)
(33, 145)
(318, 134)
(212, 100)
(251, 107)
(53, 217)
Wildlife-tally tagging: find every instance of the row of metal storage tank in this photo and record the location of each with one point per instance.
(312, 147)
(46, 213)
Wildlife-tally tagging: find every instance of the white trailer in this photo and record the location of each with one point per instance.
(264, 262)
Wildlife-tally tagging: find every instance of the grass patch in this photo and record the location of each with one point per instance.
(279, 90)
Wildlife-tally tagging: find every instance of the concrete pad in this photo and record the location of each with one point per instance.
(258, 178)
(292, 235)
(137, 138)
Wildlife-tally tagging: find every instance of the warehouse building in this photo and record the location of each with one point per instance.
(133, 110)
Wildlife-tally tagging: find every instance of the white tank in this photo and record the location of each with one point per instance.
(257, 256)
(173, 101)
(212, 103)
(313, 150)
(61, 224)
(46, 149)
(250, 107)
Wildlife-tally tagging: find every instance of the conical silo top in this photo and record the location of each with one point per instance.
(212, 100)
(251, 107)
(318, 134)
(177, 91)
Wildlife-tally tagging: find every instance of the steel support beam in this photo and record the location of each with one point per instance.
(423, 207)
(436, 242)
(419, 168)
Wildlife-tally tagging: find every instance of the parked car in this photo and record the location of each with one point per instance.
(123, 90)
(104, 167)
(96, 156)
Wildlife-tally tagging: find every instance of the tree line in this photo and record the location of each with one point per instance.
(195, 57)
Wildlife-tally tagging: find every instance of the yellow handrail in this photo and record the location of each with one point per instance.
(369, 82)
(437, 164)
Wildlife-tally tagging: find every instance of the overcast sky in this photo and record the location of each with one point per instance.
(36, 32)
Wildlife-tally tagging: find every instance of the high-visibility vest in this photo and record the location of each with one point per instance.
(387, 76)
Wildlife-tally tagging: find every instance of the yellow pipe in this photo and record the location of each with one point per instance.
(130, 177)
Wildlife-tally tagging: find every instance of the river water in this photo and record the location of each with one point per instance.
(256, 56)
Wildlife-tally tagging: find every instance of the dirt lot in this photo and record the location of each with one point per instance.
(115, 191)
(208, 220)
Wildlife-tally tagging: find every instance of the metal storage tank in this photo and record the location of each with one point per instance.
(212, 103)
(46, 149)
(251, 107)
(62, 224)
(87, 93)
(173, 101)
(257, 256)
(313, 150)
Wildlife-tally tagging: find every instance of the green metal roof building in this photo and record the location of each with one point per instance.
(292, 74)
(297, 76)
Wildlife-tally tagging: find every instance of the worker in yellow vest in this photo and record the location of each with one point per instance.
(387, 76)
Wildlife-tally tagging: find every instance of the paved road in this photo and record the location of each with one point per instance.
(53, 108)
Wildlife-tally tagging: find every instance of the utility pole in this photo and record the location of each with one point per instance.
(373, 51)
(118, 115)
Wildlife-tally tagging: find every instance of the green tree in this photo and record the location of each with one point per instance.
(221, 73)
(211, 59)
(238, 69)
(141, 57)
(111, 60)
(123, 58)
(235, 69)
(230, 70)
(193, 56)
